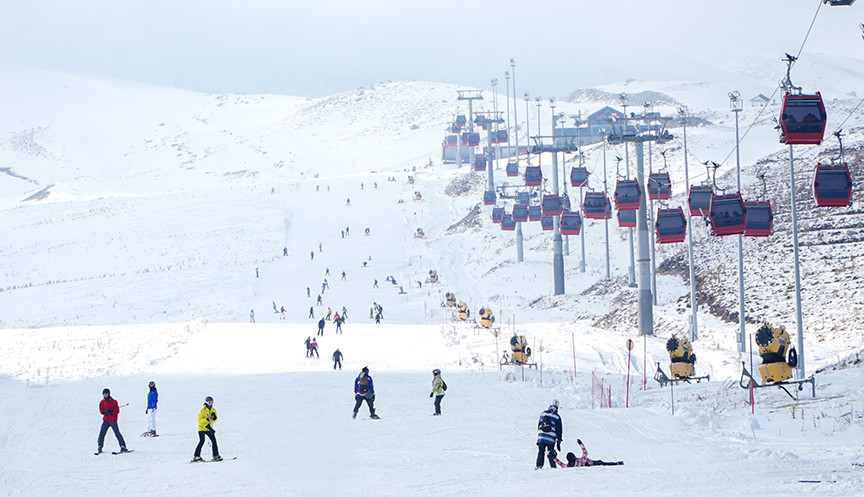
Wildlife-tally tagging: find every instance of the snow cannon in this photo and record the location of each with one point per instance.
(773, 343)
(521, 350)
(487, 319)
(433, 278)
(419, 233)
(450, 299)
(462, 311)
(682, 356)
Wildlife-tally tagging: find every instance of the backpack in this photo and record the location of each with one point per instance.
(546, 425)
(444, 385)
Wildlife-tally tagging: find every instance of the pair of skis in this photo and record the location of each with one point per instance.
(115, 453)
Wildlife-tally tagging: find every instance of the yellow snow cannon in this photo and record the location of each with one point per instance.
(487, 319)
(773, 343)
(450, 299)
(682, 356)
(462, 311)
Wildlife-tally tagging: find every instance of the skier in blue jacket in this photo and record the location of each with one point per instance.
(364, 389)
(548, 435)
(152, 400)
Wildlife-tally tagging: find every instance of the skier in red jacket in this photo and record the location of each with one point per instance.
(109, 409)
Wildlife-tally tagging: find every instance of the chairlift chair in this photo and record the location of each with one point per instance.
(512, 169)
(489, 197)
(520, 213)
(533, 176)
(571, 223)
(596, 206)
(659, 186)
(578, 176)
(480, 162)
(497, 214)
(699, 199)
(552, 205)
(535, 213)
(727, 214)
(628, 194)
(832, 185)
(671, 225)
(546, 223)
(802, 119)
(760, 218)
(508, 223)
(627, 218)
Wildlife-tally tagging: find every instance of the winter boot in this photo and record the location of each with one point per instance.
(217, 458)
(353, 416)
(124, 449)
(197, 459)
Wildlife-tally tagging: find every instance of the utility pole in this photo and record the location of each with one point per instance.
(660, 135)
(737, 104)
(470, 96)
(694, 328)
(605, 192)
(631, 275)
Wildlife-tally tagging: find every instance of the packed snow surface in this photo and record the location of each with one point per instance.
(144, 228)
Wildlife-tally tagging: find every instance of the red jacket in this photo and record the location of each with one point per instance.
(107, 404)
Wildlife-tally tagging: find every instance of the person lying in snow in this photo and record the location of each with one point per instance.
(573, 461)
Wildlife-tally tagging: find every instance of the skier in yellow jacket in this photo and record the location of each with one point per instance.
(438, 388)
(206, 418)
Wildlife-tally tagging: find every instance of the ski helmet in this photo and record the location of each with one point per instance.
(554, 403)
(436, 371)
(106, 391)
(208, 399)
(365, 369)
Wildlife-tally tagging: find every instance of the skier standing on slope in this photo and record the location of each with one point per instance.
(337, 359)
(321, 327)
(548, 435)
(206, 418)
(313, 349)
(438, 388)
(109, 409)
(152, 400)
(364, 389)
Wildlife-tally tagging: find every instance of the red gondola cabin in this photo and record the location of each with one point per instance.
(552, 205)
(488, 197)
(571, 223)
(507, 223)
(628, 194)
(760, 218)
(520, 213)
(832, 185)
(699, 200)
(596, 206)
(671, 225)
(578, 177)
(497, 214)
(727, 214)
(533, 176)
(802, 119)
(627, 219)
(659, 186)
(512, 169)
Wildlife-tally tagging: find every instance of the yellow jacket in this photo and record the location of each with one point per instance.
(438, 385)
(206, 418)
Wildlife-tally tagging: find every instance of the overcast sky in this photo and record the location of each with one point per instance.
(315, 48)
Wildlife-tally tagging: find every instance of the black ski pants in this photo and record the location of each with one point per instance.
(104, 430)
(542, 449)
(438, 403)
(212, 436)
(369, 402)
(337, 362)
